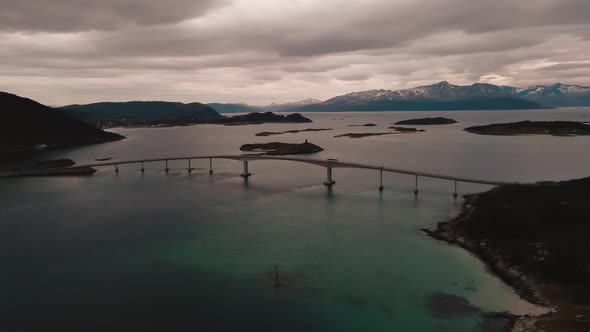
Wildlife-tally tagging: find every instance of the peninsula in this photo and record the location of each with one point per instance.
(28, 126)
(534, 237)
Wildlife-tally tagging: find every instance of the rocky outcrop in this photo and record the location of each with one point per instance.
(278, 148)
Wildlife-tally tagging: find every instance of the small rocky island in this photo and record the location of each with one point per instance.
(278, 148)
(398, 130)
(534, 237)
(361, 135)
(364, 125)
(406, 129)
(555, 128)
(427, 121)
(270, 133)
(258, 118)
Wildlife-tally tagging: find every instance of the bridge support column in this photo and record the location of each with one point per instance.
(142, 168)
(117, 168)
(455, 192)
(416, 191)
(329, 182)
(381, 179)
(190, 169)
(167, 169)
(210, 166)
(245, 174)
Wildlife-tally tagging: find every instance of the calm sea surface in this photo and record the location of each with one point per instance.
(192, 252)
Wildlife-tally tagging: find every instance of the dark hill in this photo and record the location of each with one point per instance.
(27, 124)
(142, 113)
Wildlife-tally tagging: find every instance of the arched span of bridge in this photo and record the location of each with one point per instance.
(329, 164)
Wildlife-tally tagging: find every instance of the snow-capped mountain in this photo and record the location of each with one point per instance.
(439, 96)
(443, 95)
(439, 91)
(557, 89)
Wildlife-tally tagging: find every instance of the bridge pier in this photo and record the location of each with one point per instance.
(166, 169)
(329, 182)
(416, 191)
(245, 174)
(381, 179)
(142, 168)
(455, 192)
(210, 166)
(117, 168)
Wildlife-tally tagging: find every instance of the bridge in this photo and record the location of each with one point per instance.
(329, 164)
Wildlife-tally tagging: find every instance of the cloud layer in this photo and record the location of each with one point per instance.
(257, 51)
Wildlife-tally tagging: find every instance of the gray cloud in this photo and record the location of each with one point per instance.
(259, 51)
(80, 15)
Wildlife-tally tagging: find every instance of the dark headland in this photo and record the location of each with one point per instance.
(536, 238)
(28, 126)
(278, 148)
(426, 121)
(555, 128)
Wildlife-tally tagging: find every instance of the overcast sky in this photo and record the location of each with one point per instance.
(261, 51)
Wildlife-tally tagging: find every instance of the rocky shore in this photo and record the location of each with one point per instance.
(534, 237)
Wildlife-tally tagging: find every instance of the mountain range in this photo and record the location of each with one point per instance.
(439, 96)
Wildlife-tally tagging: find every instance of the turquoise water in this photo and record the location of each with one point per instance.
(197, 252)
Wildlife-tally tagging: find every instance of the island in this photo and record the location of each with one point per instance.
(554, 128)
(427, 121)
(270, 133)
(361, 135)
(278, 148)
(364, 125)
(258, 118)
(535, 238)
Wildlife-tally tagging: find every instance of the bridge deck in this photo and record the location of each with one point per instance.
(318, 162)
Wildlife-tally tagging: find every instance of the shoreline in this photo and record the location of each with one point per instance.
(468, 231)
(523, 285)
